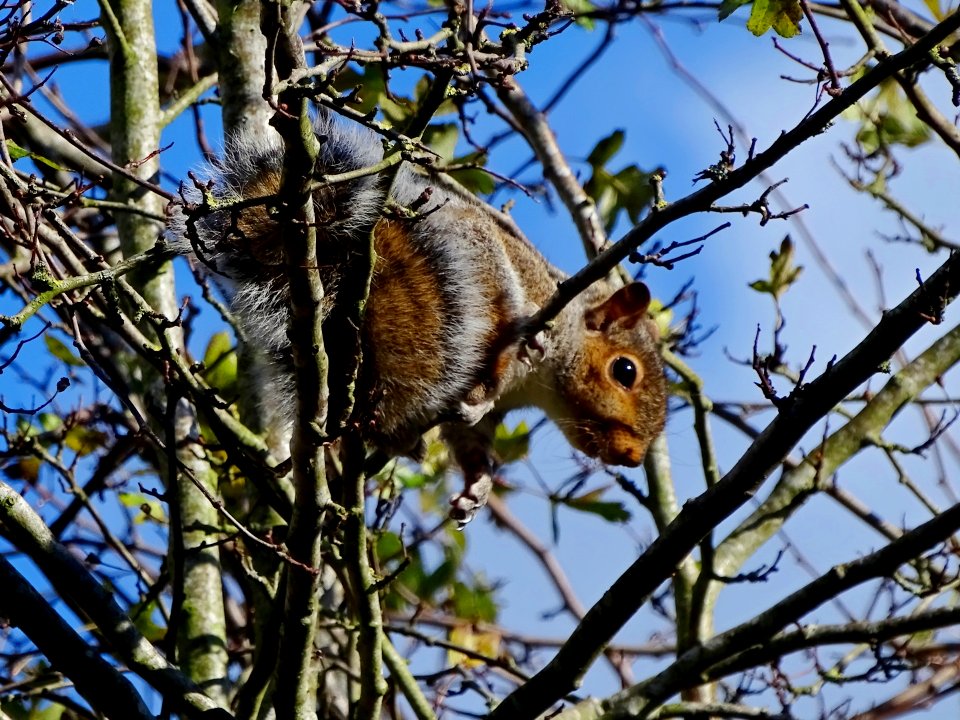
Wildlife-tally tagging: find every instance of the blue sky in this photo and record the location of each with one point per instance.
(667, 124)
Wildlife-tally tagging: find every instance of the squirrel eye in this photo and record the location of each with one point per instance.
(624, 371)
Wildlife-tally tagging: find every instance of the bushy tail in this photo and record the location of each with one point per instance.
(222, 224)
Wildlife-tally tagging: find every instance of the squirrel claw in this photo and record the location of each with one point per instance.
(465, 505)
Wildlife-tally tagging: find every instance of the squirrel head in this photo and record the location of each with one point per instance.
(612, 390)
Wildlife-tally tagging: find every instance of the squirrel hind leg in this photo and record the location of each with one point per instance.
(472, 449)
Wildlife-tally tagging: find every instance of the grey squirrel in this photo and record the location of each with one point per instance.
(452, 283)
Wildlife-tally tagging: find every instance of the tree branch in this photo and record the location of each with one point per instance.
(699, 515)
(71, 580)
(701, 200)
(101, 684)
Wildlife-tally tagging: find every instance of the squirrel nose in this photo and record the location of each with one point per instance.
(626, 455)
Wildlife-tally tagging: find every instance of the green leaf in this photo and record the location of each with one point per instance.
(26, 428)
(467, 636)
(59, 350)
(600, 188)
(368, 91)
(50, 422)
(151, 509)
(83, 440)
(220, 361)
(447, 107)
(627, 190)
(439, 578)
(457, 541)
(442, 139)
(727, 7)
(783, 272)
(633, 187)
(28, 704)
(782, 15)
(611, 511)
(26, 468)
(512, 445)
(409, 581)
(143, 620)
(579, 7)
(663, 317)
(476, 180)
(476, 604)
(887, 119)
(388, 545)
(18, 153)
(53, 711)
(604, 150)
(410, 479)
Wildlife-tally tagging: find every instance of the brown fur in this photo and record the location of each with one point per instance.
(405, 314)
(449, 291)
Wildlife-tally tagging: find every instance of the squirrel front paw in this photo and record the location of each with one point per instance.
(465, 505)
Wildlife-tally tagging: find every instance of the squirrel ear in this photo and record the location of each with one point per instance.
(628, 304)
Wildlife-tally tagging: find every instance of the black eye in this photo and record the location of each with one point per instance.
(624, 371)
